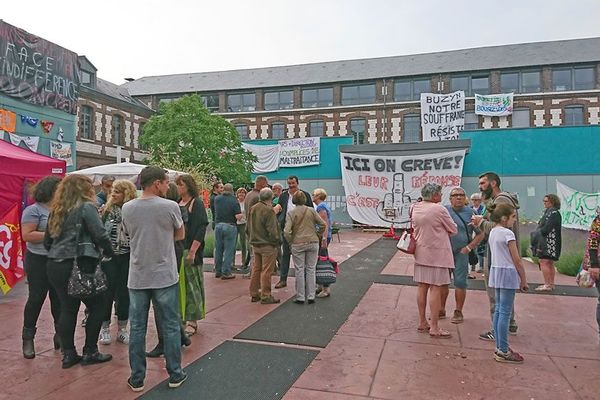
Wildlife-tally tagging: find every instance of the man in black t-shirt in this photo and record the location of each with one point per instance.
(217, 189)
(227, 213)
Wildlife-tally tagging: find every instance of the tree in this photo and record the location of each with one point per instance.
(185, 133)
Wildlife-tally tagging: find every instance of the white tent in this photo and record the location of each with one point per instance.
(124, 170)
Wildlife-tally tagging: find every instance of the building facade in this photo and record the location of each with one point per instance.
(377, 100)
(109, 121)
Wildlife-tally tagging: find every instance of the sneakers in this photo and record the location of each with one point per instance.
(269, 300)
(510, 356)
(123, 336)
(156, 352)
(487, 336)
(280, 284)
(135, 386)
(513, 329)
(324, 293)
(458, 317)
(176, 382)
(94, 358)
(105, 337)
(227, 276)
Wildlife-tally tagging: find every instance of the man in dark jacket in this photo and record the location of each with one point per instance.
(265, 238)
(217, 189)
(285, 205)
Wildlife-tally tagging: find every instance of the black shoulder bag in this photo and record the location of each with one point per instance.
(473, 260)
(84, 285)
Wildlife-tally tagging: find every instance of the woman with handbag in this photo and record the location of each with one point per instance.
(434, 261)
(322, 208)
(549, 241)
(300, 232)
(117, 268)
(33, 225)
(73, 238)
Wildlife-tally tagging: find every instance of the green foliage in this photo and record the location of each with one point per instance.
(525, 247)
(185, 133)
(569, 263)
(209, 244)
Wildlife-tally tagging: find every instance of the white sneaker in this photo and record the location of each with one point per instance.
(478, 269)
(123, 336)
(105, 337)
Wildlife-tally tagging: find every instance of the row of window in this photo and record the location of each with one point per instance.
(573, 115)
(86, 130)
(518, 81)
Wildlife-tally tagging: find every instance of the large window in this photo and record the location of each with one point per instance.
(406, 90)
(316, 128)
(359, 94)
(117, 130)
(471, 84)
(278, 130)
(242, 129)
(279, 100)
(210, 101)
(573, 115)
(582, 78)
(411, 128)
(241, 102)
(318, 97)
(520, 82)
(521, 118)
(85, 124)
(471, 121)
(358, 127)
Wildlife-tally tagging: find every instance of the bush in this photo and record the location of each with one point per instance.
(209, 244)
(569, 263)
(525, 247)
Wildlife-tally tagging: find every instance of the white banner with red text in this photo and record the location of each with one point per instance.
(380, 189)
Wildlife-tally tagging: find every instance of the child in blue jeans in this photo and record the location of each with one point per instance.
(506, 276)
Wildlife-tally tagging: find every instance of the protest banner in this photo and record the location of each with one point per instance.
(495, 105)
(267, 157)
(299, 152)
(61, 151)
(578, 209)
(442, 115)
(380, 189)
(11, 249)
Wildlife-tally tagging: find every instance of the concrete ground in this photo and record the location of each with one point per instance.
(377, 353)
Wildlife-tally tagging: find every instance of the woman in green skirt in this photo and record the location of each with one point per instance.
(193, 306)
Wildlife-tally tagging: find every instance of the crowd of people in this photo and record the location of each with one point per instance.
(150, 249)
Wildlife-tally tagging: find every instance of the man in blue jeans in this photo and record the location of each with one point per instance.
(227, 213)
(153, 223)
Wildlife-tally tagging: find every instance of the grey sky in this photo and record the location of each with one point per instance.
(135, 38)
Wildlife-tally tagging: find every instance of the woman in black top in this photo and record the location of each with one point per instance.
(195, 230)
(76, 231)
(549, 228)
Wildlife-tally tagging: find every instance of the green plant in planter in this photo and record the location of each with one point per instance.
(569, 263)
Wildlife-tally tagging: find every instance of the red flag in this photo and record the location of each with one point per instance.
(11, 249)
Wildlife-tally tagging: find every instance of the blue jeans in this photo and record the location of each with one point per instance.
(165, 302)
(505, 299)
(225, 237)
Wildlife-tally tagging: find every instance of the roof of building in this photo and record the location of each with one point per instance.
(117, 92)
(474, 59)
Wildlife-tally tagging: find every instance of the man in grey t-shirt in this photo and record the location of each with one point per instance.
(153, 223)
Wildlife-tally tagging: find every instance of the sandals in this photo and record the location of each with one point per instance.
(423, 330)
(544, 288)
(441, 334)
(191, 327)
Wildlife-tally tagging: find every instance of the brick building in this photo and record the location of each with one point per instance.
(377, 100)
(108, 118)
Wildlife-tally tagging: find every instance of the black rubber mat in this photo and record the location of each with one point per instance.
(238, 370)
(559, 290)
(316, 324)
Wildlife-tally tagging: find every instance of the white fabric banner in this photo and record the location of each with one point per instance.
(61, 151)
(578, 209)
(380, 189)
(268, 157)
(494, 105)
(31, 142)
(442, 115)
(299, 152)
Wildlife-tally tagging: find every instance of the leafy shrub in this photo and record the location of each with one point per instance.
(209, 244)
(569, 263)
(525, 247)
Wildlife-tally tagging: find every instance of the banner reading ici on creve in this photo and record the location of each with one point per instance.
(380, 189)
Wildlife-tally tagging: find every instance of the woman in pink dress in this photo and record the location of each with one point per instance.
(433, 227)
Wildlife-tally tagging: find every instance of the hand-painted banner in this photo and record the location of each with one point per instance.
(578, 209)
(442, 115)
(494, 105)
(11, 249)
(32, 142)
(299, 152)
(268, 157)
(380, 189)
(37, 71)
(61, 151)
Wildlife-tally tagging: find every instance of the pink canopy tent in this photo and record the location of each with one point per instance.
(18, 167)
